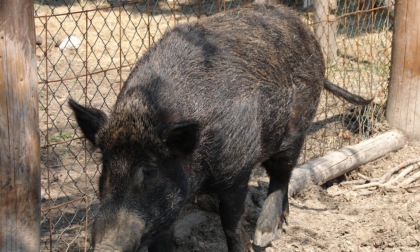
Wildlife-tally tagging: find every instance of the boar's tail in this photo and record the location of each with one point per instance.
(346, 95)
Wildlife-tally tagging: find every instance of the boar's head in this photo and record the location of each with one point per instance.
(144, 181)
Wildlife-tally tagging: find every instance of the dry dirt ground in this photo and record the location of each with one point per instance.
(332, 217)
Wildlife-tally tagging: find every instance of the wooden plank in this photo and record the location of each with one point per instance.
(337, 163)
(19, 136)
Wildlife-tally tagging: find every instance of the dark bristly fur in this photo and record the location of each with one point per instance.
(201, 108)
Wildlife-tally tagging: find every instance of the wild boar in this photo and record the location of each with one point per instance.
(210, 101)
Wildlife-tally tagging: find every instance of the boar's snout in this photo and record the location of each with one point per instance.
(117, 231)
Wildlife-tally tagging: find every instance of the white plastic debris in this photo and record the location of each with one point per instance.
(70, 42)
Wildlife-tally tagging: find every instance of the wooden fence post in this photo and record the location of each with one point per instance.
(403, 107)
(19, 136)
(326, 27)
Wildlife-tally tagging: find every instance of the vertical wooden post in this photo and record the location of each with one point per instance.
(403, 107)
(19, 137)
(326, 27)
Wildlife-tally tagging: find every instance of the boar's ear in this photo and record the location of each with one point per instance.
(90, 120)
(182, 138)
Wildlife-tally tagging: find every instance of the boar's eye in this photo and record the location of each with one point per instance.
(149, 173)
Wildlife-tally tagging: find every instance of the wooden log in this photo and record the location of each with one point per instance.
(337, 163)
(20, 187)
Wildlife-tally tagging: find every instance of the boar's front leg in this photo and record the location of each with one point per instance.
(231, 209)
(276, 207)
(164, 243)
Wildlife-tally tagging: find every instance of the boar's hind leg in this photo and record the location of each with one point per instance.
(231, 209)
(276, 207)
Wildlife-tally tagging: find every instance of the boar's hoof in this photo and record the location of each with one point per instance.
(274, 213)
(266, 232)
(269, 225)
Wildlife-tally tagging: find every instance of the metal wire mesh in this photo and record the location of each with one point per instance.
(106, 39)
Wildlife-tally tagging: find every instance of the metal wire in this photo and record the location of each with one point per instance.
(113, 34)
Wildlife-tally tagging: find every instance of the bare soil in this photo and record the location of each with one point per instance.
(331, 217)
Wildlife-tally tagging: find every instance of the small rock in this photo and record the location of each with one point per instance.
(38, 40)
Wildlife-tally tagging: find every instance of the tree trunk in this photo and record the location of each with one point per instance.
(19, 137)
(403, 107)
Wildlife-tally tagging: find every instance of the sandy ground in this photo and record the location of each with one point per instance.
(331, 217)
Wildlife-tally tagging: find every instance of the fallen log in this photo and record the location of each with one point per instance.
(337, 163)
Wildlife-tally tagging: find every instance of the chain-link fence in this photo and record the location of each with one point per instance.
(87, 49)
